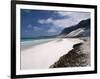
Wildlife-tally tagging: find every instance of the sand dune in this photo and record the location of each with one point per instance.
(44, 55)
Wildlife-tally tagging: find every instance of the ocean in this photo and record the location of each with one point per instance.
(27, 43)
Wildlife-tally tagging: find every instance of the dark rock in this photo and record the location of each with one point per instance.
(77, 45)
(74, 58)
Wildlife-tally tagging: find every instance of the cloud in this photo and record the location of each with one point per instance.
(53, 30)
(45, 21)
(35, 28)
(62, 13)
(27, 10)
(64, 23)
(26, 31)
(29, 26)
(74, 18)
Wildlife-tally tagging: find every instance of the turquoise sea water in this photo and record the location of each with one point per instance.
(27, 43)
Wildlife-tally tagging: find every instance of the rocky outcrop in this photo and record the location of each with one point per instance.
(77, 57)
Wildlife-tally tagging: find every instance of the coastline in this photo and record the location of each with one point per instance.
(44, 55)
(30, 43)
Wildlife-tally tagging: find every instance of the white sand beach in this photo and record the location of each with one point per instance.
(44, 55)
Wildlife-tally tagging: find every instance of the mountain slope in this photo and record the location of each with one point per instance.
(81, 29)
(75, 32)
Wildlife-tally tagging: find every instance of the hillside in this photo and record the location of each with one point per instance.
(82, 29)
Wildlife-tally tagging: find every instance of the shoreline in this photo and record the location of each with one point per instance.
(44, 55)
(32, 45)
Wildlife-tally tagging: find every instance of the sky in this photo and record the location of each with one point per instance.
(36, 23)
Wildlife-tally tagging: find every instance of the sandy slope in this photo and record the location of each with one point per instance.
(79, 56)
(44, 55)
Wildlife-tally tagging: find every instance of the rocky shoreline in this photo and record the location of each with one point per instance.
(79, 56)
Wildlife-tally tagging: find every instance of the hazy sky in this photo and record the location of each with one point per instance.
(35, 23)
